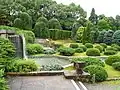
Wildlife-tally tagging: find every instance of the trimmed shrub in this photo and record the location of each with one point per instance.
(111, 48)
(59, 34)
(79, 50)
(89, 45)
(34, 49)
(100, 73)
(49, 51)
(83, 47)
(99, 47)
(116, 66)
(7, 48)
(57, 45)
(66, 51)
(116, 46)
(74, 45)
(23, 66)
(54, 24)
(103, 45)
(109, 52)
(90, 61)
(93, 52)
(112, 59)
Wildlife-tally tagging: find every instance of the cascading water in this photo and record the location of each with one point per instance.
(24, 47)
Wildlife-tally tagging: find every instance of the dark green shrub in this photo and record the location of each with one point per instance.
(111, 48)
(66, 51)
(98, 71)
(112, 59)
(101, 36)
(110, 52)
(103, 45)
(51, 68)
(89, 45)
(59, 34)
(116, 46)
(90, 61)
(74, 45)
(93, 52)
(116, 65)
(3, 83)
(23, 66)
(116, 37)
(108, 37)
(99, 47)
(79, 50)
(54, 24)
(7, 48)
(83, 47)
(34, 49)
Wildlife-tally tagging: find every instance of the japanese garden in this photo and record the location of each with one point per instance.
(42, 38)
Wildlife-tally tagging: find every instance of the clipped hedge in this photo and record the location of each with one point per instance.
(79, 50)
(112, 59)
(89, 45)
(99, 47)
(93, 52)
(83, 47)
(116, 66)
(103, 45)
(66, 51)
(90, 61)
(34, 49)
(111, 48)
(59, 34)
(74, 45)
(116, 46)
(110, 52)
(98, 71)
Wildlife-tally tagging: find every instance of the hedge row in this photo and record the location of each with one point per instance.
(59, 34)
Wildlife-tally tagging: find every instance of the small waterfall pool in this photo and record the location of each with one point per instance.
(52, 61)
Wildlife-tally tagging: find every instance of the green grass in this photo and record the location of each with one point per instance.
(116, 82)
(69, 68)
(112, 73)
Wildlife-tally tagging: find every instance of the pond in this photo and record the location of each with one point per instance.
(52, 61)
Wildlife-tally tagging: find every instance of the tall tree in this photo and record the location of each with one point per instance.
(93, 17)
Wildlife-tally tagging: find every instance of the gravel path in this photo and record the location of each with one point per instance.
(40, 83)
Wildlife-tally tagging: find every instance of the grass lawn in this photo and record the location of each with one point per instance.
(112, 73)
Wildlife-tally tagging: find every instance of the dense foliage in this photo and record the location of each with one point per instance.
(93, 52)
(109, 52)
(90, 61)
(74, 45)
(66, 51)
(98, 71)
(99, 47)
(89, 45)
(116, 37)
(116, 65)
(34, 49)
(83, 47)
(7, 48)
(112, 59)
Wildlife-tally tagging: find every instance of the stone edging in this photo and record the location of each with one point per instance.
(39, 73)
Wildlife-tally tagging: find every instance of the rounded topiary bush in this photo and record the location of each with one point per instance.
(112, 59)
(116, 46)
(99, 47)
(66, 51)
(34, 49)
(103, 45)
(90, 61)
(111, 48)
(98, 71)
(83, 47)
(93, 52)
(74, 45)
(79, 50)
(89, 45)
(109, 52)
(116, 65)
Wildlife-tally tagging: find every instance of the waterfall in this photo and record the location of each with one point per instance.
(24, 47)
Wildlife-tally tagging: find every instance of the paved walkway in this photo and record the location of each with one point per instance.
(40, 83)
